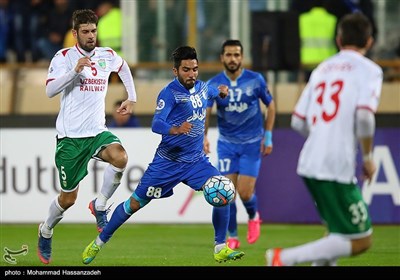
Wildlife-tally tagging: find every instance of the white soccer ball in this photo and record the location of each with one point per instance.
(219, 191)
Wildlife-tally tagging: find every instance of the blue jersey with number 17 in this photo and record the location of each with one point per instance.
(239, 116)
(175, 105)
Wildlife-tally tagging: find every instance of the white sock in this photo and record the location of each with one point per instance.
(111, 180)
(98, 241)
(325, 249)
(219, 247)
(56, 213)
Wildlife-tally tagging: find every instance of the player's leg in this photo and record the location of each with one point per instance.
(222, 252)
(228, 165)
(120, 215)
(196, 176)
(249, 166)
(324, 262)
(246, 185)
(55, 214)
(159, 182)
(107, 147)
(72, 168)
(233, 236)
(321, 250)
(338, 205)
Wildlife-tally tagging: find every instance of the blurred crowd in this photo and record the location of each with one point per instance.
(36, 29)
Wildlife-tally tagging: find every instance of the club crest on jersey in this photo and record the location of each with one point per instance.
(160, 105)
(249, 91)
(102, 63)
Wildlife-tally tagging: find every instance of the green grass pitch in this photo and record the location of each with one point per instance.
(145, 245)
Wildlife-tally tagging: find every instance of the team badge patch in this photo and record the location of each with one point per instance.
(160, 105)
(102, 63)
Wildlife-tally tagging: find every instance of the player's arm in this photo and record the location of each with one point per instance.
(159, 125)
(266, 97)
(299, 124)
(221, 91)
(126, 77)
(206, 143)
(184, 128)
(365, 130)
(269, 125)
(59, 77)
(126, 107)
(298, 120)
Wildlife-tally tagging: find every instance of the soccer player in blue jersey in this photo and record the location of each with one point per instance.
(244, 135)
(180, 119)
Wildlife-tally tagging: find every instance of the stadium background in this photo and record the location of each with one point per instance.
(27, 131)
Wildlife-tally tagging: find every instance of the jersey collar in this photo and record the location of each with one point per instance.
(85, 53)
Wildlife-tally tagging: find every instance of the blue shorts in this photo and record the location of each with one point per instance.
(243, 159)
(162, 175)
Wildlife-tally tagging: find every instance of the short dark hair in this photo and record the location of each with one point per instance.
(354, 30)
(183, 53)
(85, 16)
(231, 42)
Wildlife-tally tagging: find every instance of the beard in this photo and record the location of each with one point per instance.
(86, 46)
(232, 68)
(188, 84)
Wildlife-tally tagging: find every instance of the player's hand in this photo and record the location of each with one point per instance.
(126, 107)
(368, 170)
(82, 62)
(266, 150)
(185, 128)
(206, 145)
(266, 143)
(223, 91)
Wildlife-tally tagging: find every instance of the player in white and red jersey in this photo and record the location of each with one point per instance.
(80, 75)
(336, 112)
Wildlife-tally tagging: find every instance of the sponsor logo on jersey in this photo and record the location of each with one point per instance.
(197, 115)
(237, 107)
(91, 84)
(92, 81)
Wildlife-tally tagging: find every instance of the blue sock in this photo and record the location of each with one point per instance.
(232, 227)
(118, 217)
(251, 206)
(220, 220)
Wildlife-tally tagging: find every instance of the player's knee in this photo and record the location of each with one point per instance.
(245, 195)
(121, 160)
(359, 246)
